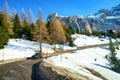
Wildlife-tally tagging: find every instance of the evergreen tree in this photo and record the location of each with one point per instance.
(31, 27)
(28, 32)
(17, 27)
(113, 61)
(112, 34)
(69, 32)
(50, 30)
(71, 41)
(3, 31)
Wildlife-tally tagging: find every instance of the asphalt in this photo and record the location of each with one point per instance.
(20, 70)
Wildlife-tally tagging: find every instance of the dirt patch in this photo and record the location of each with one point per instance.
(96, 73)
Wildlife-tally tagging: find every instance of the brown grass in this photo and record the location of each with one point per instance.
(96, 73)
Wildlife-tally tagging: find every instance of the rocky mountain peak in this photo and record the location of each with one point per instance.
(104, 19)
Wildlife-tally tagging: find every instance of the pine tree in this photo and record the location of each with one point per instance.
(31, 27)
(49, 30)
(17, 27)
(29, 31)
(113, 61)
(69, 32)
(26, 33)
(3, 31)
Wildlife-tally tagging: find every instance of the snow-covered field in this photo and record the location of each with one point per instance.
(93, 58)
(19, 48)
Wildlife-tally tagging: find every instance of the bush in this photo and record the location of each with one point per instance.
(71, 41)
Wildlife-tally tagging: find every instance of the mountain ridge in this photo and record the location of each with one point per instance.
(103, 20)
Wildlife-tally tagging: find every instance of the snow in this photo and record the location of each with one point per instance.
(83, 40)
(112, 17)
(95, 16)
(19, 48)
(77, 60)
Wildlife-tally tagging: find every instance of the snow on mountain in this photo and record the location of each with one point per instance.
(97, 20)
(113, 17)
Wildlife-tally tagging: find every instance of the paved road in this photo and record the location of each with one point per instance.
(21, 70)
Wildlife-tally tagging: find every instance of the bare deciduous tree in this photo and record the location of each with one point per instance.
(31, 18)
(40, 30)
(8, 19)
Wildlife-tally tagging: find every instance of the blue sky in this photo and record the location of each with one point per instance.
(62, 7)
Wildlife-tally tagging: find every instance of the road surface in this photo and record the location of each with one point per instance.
(20, 70)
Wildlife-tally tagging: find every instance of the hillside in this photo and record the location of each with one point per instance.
(88, 63)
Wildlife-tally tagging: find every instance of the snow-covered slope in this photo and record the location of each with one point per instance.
(83, 40)
(82, 60)
(19, 48)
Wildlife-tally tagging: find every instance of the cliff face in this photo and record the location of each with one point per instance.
(102, 20)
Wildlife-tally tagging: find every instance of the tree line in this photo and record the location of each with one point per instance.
(14, 26)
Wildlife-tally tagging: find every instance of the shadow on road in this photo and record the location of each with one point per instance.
(36, 72)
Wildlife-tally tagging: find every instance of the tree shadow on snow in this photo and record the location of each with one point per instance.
(103, 47)
(102, 66)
